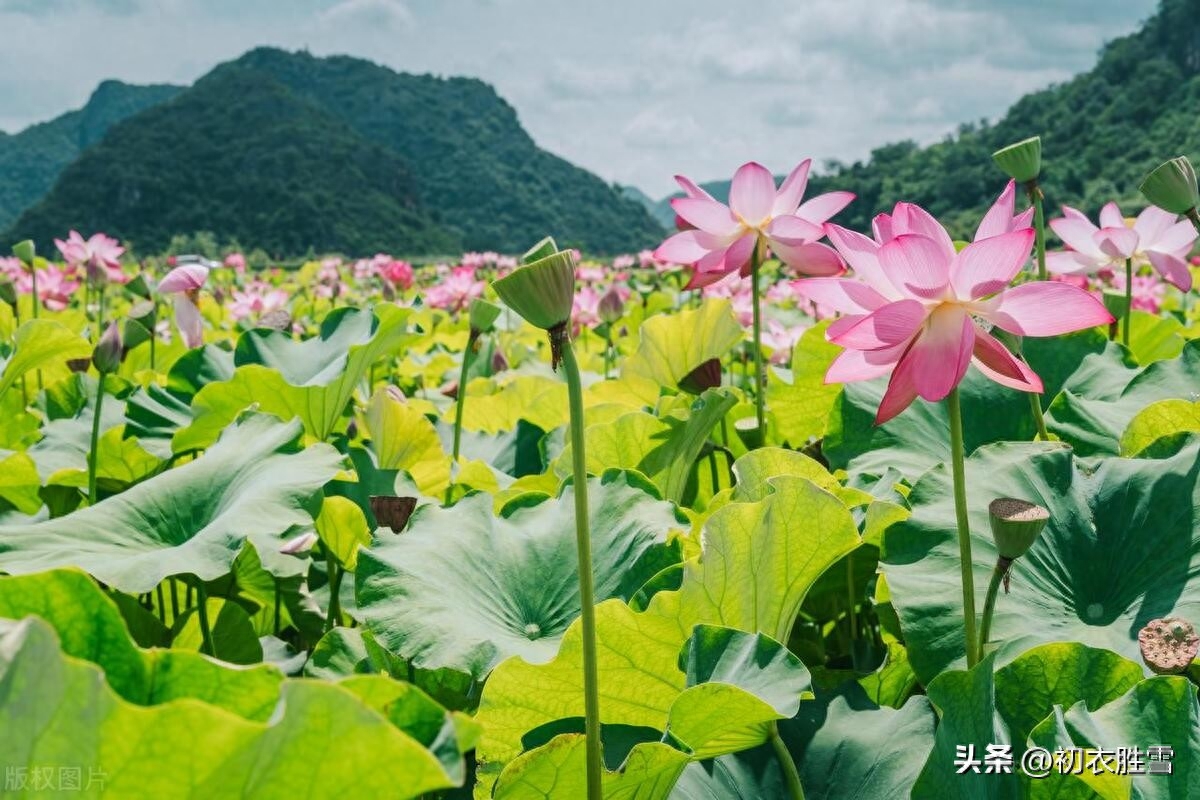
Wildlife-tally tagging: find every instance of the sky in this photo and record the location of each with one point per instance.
(634, 90)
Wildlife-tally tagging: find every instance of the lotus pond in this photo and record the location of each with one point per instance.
(778, 510)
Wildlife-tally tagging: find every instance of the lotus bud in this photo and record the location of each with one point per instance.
(1016, 524)
(1172, 186)
(499, 361)
(542, 291)
(611, 306)
(25, 251)
(1021, 161)
(299, 544)
(1168, 645)
(8, 292)
(106, 357)
(705, 376)
(392, 512)
(482, 316)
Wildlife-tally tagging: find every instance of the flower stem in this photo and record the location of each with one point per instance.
(587, 600)
(460, 402)
(1039, 230)
(1128, 301)
(964, 527)
(34, 289)
(791, 777)
(1035, 406)
(334, 571)
(94, 448)
(202, 614)
(989, 603)
(100, 310)
(760, 376)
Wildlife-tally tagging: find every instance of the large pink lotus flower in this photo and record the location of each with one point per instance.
(99, 255)
(921, 311)
(256, 299)
(723, 237)
(1157, 237)
(55, 286)
(456, 291)
(184, 284)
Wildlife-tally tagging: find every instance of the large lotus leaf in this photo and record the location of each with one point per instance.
(255, 483)
(1162, 711)
(919, 437)
(465, 588)
(1155, 337)
(844, 747)
(757, 563)
(757, 469)
(558, 769)
(312, 379)
(672, 345)
(1121, 548)
(154, 413)
(19, 483)
(800, 409)
(55, 709)
(1163, 420)
(497, 406)
(42, 344)
(1095, 408)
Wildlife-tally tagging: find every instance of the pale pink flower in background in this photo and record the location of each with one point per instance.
(781, 339)
(473, 260)
(723, 237)
(1157, 237)
(782, 292)
(624, 262)
(646, 259)
(11, 268)
(55, 286)
(1147, 292)
(590, 273)
(256, 299)
(184, 283)
(586, 309)
(329, 279)
(398, 273)
(236, 262)
(737, 291)
(99, 255)
(456, 291)
(506, 263)
(917, 309)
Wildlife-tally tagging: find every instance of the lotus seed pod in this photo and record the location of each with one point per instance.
(705, 376)
(25, 251)
(542, 289)
(611, 306)
(1168, 645)
(1172, 186)
(1016, 524)
(106, 357)
(482, 315)
(1022, 161)
(392, 512)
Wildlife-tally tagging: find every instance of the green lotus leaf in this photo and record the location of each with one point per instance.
(844, 747)
(1161, 711)
(1070, 586)
(19, 483)
(495, 406)
(463, 588)
(312, 379)
(233, 636)
(55, 709)
(757, 469)
(252, 484)
(919, 438)
(800, 409)
(672, 345)
(1098, 405)
(342, 527)
(42, 344)
(1154, 337)
(558, 769)
(1158, 421)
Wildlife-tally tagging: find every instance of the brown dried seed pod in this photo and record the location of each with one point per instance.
(1168, 645)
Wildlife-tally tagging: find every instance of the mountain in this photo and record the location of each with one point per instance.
(459, 168)
(31, 160)
(1102, 132)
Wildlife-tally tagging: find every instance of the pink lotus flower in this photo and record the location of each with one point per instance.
(586, 309)
(623, 262)
(184, 283)
(456, 291)
(236, 262)
(398, 273)
(781, 339)
(256, 299)
(56, 286)
(1147, 291)
(918, 309)
(99, 255)
(723, 237)
(1157, 237)
(738, 292)
(590, 273)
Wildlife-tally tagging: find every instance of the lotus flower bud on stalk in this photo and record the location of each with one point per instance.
(106, 357)
(1172, 186)
(542, 290)
(26, 252)
(1168, 645)
(611, 306)
(1016, 525)
(1022, 162)
(8, 292)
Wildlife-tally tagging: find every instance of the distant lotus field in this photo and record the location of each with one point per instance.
(777, 509)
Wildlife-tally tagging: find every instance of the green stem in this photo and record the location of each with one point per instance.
(202, 613)
(153, 335)
(964, 528)
(162, 604)
(1039, 228)
(33, 287)
(100, 310)
(93, 450)
(760, 376)
(1035, 406)
(335, 572)
(1128, 301)
(587, 600)
(791, 777)
(460, 399)
(174, 601)
(277, 604)
(989, 602)
(851, 597)
(608, 353)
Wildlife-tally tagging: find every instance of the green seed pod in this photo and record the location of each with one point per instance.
(1021, 161)
(482, 316)
(1016, 524)
(8, 292)
(25, 251)
(106, 357)
(542, 289)
(1172, 186)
